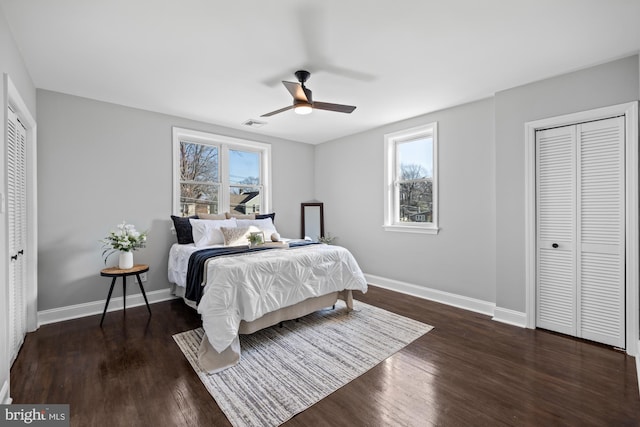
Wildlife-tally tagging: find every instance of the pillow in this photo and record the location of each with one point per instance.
(240, 216)
(207, 231)
(183, 228)
(269, 215)
(265, 225)
(213, 216)
(238, 236)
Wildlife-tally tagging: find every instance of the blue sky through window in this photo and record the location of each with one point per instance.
(244, 166)
(417, 152)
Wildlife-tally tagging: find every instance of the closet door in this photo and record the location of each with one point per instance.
(17, 216)
(556, 227)
(580, 287)
(601, 231)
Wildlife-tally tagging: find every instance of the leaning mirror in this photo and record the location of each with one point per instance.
(312, 215)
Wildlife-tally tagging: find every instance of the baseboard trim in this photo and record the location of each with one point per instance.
(4, 394)
(95, 307)
(472, 304)
(510, 317)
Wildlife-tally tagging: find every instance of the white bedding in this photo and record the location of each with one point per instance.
(247, 286)
(179, 260)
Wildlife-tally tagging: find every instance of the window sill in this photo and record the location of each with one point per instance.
(411, 229)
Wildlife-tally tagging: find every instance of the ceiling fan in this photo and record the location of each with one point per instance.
(303, 103)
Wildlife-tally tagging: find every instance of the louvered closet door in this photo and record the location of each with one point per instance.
(601, 231)
(17, 216)
(556, 227)
(581, 230)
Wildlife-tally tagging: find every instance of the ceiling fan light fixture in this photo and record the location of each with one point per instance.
(303, 102)
(303, 108)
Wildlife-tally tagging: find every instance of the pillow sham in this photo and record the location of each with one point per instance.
(265, 224)
(207, 231)
(183, 228)
(238, 236)
(269, 215)
(213, 216)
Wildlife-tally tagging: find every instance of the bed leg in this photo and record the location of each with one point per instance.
(333, 307)
(347, 297)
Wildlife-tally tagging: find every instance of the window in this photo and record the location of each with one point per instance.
(215, 174)
(411, 193)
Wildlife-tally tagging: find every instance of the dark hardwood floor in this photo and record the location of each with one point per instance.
(468, 371)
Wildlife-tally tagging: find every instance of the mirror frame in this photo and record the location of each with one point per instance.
(302, 211)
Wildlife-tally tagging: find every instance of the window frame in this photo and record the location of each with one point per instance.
(391, 179)
(224, 144)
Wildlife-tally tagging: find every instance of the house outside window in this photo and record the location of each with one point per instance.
(411, 191)
(215, 174)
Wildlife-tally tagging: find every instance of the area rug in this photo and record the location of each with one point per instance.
(285, 370)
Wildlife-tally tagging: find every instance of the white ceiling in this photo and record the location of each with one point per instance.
(222, 61)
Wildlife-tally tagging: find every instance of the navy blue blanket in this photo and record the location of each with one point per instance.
(195, 270)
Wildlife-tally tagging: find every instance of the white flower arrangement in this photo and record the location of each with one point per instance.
(125, 239)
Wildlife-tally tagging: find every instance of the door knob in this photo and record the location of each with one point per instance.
(554, 246)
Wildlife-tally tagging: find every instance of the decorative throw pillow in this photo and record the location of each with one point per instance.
(183, 228)
(238, 236)
(206, 232)
(269, 215)
(213, 216)
(264, 224)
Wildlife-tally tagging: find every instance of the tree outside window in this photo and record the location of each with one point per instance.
(199, 180)
(410, 174)
(215, 174)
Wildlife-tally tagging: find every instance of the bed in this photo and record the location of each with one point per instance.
(238, 289)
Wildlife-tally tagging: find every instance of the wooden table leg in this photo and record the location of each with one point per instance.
(143, 293)
(113, 282)
(124, 293)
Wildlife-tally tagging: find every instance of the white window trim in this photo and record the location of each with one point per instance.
(225, 143)
(391, 222)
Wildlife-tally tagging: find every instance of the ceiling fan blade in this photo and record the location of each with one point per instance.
(340, 108)
(277, 111)
(296, 91)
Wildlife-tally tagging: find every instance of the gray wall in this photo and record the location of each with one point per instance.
(12, 64)
(479, 252)
(88, 150)
(461, 258)
(102, 163)
(608, 84)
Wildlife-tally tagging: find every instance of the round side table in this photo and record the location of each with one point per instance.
(116, 272)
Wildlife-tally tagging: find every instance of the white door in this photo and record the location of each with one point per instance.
(601, 231)
(580, 287)
(17, 216)
(556, 211)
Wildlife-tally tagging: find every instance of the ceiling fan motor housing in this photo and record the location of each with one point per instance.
(302, 76)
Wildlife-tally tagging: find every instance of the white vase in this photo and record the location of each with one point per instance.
(125, 260)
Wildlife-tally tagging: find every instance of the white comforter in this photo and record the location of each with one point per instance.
(245, 287)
